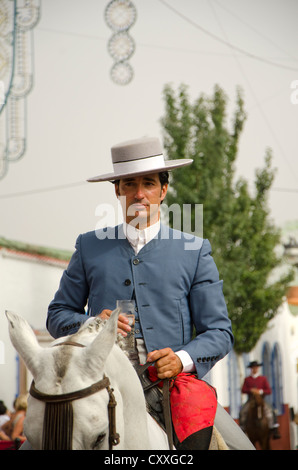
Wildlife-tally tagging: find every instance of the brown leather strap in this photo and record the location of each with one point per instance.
(142, 368)
(70, 343)
(114, 437)
(85, 392)
(167, 411)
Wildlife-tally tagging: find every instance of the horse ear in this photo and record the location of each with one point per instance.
(97, 352)
(24, 340)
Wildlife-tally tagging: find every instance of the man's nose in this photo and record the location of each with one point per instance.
(139, 193)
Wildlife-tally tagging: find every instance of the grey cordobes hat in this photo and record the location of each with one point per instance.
(139, 157)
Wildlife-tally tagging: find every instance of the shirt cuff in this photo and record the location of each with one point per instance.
(187, 362)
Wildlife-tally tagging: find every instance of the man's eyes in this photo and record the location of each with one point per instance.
(146, 183)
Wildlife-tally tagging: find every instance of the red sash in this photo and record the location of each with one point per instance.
(193, 403)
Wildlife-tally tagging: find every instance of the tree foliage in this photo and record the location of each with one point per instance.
(237, 223)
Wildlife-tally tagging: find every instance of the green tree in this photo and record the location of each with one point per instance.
(238, 225)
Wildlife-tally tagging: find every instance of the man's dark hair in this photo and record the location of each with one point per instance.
(163, 178)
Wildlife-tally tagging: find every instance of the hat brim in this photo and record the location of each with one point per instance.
(168, 166)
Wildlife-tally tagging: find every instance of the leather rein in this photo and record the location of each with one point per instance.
(165, 401)
(67, 398)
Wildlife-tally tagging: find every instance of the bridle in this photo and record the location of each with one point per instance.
(58, 419)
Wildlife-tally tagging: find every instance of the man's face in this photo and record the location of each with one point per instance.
(254, 370)
(140, 198)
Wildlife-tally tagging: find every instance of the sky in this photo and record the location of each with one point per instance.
(75, 112)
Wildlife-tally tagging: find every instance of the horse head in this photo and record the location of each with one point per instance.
(62, 370)
(257, 399)
(257, 406)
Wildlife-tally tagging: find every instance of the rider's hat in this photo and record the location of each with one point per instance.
(254, 364)
(139, 157)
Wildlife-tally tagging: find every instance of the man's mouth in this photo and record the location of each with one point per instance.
(137, 206)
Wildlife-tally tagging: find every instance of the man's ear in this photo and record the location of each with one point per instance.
(164, 191)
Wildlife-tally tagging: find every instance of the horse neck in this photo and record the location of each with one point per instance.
(124, 378)
(256, 409)
(123, 375)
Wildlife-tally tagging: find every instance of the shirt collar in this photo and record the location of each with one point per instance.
(254, 376)
(140, 237)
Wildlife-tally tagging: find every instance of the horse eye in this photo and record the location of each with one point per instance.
(100, 439)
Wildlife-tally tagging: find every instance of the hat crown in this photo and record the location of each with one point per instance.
(136, 149)
(254, 364)
(139, 157)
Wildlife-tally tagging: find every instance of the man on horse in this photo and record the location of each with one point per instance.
(173, 280)
(258, 384)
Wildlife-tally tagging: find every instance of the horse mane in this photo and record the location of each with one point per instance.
(92, 327)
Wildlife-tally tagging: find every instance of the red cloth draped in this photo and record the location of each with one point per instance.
(193, 403)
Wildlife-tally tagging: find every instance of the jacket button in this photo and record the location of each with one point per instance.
(136, 261)
(127, 282)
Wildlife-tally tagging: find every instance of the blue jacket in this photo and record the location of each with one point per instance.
(173, 279)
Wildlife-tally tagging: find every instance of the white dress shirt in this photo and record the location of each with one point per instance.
(138, 239)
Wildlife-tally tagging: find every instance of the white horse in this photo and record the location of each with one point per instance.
(63, 368)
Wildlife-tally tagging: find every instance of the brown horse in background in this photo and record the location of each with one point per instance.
(257, 426)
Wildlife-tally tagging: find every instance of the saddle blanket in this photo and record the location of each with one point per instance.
(193, 403)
